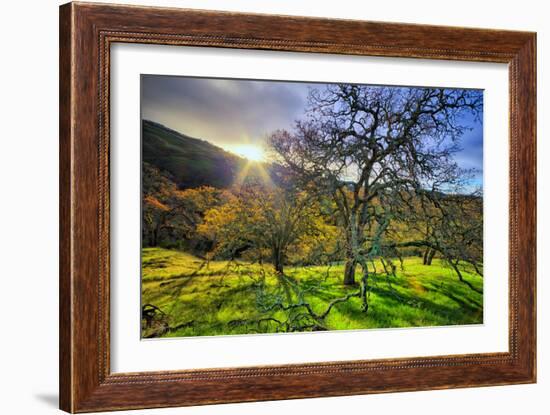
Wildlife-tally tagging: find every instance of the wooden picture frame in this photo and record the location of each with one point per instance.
(86, 33)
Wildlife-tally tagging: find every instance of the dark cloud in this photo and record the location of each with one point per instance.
(224, 112)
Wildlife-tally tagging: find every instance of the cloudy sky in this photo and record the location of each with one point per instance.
(233, 113)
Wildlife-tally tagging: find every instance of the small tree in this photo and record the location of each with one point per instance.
(171, 215)
(260, 219)
(452, 226)
(158, 189)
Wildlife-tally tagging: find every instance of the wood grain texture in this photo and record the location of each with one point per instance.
(86, 33)
(65, 246)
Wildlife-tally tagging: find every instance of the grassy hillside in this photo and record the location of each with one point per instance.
(221, 298)
(192, 162)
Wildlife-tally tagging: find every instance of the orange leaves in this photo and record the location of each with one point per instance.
(153, 202)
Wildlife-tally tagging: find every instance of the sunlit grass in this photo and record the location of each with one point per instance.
(209, 298)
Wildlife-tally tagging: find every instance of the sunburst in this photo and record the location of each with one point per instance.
(250, 151)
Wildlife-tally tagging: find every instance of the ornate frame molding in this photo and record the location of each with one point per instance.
(86, 34)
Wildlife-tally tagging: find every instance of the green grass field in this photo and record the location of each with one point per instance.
(199, 299)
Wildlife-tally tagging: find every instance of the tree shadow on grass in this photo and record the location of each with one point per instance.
(206, 306)
(154, 263)
(472, 304)
(416, 309)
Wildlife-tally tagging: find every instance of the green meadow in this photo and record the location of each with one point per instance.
(194, 297)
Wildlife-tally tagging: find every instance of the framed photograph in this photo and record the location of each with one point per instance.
(260, 207)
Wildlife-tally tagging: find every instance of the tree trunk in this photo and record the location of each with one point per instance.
(154, 236)
(354, 239)
(430, 257)
(278, 261)
(279, 267)
(349, 271)
(352, 242)
(364, 288)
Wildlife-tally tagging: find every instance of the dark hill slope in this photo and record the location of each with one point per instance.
(191, 162)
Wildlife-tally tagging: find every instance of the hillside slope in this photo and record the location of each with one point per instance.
(191, 162)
